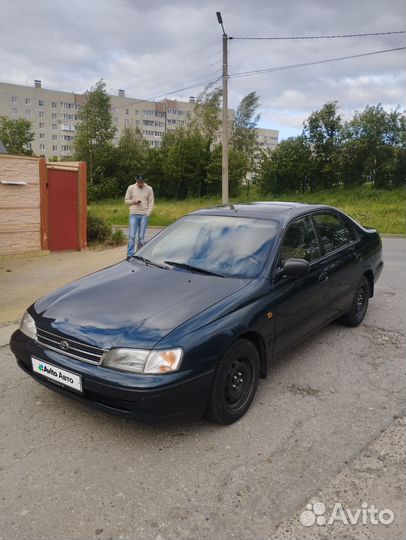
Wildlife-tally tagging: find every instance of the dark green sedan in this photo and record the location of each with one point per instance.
(188, 326)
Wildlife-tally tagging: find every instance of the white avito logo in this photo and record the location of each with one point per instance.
(314, 514)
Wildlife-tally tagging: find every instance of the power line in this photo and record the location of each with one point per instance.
(193, 61)
(161, 83)
(321, 37)
(293, 66)
(201, 83)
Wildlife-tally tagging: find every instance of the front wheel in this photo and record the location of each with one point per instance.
(235, 383)
(359, 305)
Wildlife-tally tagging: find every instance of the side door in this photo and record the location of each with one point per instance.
(300, 303)
(342, 259)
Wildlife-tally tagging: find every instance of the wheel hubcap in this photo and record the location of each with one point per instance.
(238, 383)
(361, 299)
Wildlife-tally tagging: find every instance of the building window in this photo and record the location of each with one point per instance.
(54, 126)
(41, 114)
(54, 137)
(14, 111)
(42, 135)
(115, 119)
(54, 116)
(126, 122)
(41, 125)
(40, 103)
(27, 112)
(42, 146)
(137, 122)
(13, 99)
(126, 111)
(28, 101)
(54, 148)
(53, 105)
(148, 112)
(114, 109)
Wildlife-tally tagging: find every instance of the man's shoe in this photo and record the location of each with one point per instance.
(128, 258)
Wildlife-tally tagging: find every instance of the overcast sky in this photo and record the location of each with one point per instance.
(154, 48)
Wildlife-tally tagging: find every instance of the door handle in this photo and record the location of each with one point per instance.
(323, 277)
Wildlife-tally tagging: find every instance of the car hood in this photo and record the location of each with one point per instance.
(130, 304)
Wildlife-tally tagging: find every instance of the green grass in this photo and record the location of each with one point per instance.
(384, 210)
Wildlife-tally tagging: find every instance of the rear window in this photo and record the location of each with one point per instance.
(334, 232)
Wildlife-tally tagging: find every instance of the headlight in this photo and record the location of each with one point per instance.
(141, 361)
(27, 326)
(163, 361)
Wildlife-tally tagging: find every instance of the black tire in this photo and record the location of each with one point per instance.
(235, 383)
(359, 305)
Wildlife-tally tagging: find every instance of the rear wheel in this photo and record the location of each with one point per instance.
(235, 383)
(359, 305)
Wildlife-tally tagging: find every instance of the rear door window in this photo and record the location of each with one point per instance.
(334, 232)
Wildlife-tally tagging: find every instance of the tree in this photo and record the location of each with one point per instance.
(378, 145)
(323, 131)
(207, 113)
(94, 134)
(287, 168)
(16, 135)
(130, 156)
(243, 136)
(185, 157)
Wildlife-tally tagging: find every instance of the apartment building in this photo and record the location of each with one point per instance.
(54, 114)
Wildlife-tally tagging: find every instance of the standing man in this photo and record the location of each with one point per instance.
(140, 199)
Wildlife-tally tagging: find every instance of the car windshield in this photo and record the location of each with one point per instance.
(226, 246)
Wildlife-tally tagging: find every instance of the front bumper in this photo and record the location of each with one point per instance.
(172, 396)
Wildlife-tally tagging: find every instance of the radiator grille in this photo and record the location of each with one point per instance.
(69, 347)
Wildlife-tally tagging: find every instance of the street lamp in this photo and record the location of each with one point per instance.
(224, 165)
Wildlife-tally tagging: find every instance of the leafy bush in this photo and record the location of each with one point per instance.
(97, 229)
(117, 238)
(106, 188)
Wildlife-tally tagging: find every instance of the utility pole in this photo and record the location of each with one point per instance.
(224, 181)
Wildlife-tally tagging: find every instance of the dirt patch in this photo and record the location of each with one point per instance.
(303, 390)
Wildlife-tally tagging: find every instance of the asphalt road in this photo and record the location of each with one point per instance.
(326, 424)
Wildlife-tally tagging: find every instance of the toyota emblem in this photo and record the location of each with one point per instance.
(64, 345)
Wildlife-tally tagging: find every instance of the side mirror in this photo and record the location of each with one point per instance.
(293, 267)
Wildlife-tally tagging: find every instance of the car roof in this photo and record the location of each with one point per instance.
(280, 211)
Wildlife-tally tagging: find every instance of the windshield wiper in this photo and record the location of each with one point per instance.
(148, 262)
(193, 268)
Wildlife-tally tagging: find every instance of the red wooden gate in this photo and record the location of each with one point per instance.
(63, 210)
